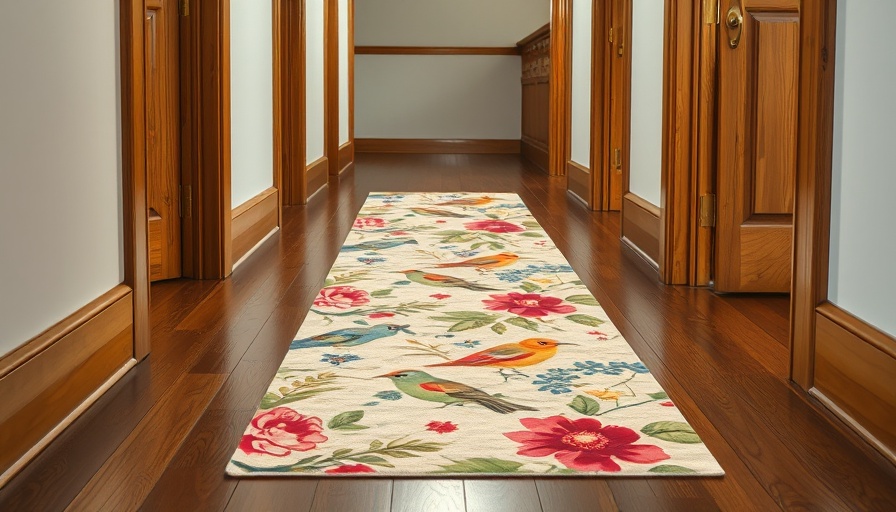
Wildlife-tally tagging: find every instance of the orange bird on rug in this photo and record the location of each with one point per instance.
(471, 201)
(510, 355)
(485, 262)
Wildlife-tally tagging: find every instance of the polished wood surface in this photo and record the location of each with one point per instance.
(292, 76)
(346, 156)
(316, 176)
(641, 227)
(162, 436)
(436, 50)
(161, 49)
(560, 86)
(331, 85)
(536, 96)
(254, 220)
(437, 146)
(579, 181)
(757, 142)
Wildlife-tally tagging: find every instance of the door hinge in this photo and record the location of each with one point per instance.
(617, 160)
(184, 7)
(186, 202)
(711, 12)
(611, 34)
(708, 211)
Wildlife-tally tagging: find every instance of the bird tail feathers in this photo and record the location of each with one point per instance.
(503, 406)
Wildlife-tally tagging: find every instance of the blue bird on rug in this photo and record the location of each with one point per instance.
(350, 337)
(377, 245)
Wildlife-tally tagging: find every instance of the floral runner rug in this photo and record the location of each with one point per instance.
(453, 338)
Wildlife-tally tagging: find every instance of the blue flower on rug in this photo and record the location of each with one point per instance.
(614, 368)
(556, 380)
(371, 261)
(338, 359)
(517, 275)
(466, 343)
(389, 395)
(465, 254)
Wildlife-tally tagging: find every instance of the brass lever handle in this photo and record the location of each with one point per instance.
(734, 20)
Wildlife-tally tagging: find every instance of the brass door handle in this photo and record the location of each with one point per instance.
(734, 20)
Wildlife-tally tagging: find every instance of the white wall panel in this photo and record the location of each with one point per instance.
(314, 79)
(343, 72)
(580, 149)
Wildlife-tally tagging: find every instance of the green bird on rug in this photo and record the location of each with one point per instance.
(378, 245)
(430, 279)
(424, 386)
(350, 337)
(436, 212)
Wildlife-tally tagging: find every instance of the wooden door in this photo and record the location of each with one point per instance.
(620, 92)
(161, 63)
(758, 79)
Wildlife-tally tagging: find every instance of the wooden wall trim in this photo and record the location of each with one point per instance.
(351, 75)
(133, 171)
(502, 146)
(858, 328)
(278, 92)
(331, 84)
(579, 181)
(538, 34)
(812, 201)
(641, 226)
(436, 50)
(292, 75)
(601, 84)
(559, 118)
(535, 152)
(316, 176)
(45, 382)
(254, 220)
(346, 157)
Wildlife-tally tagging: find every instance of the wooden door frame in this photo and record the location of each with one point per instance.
(331, 85)
(292, 74)
(560, 97)
(600, 104)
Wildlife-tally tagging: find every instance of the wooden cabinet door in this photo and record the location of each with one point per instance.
(161, 64)
(758, 76)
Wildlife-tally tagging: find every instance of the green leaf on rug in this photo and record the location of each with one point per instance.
(585, 300)
(401, 283)
(585, 405)
(376, 445)
(529, 287)
(381, 293)
(466, 325)
(499, 328)
(585, 320)
(519, 321)
(347, 421)
(360, 322)
(531, 224)
(477, 245)
(531, 234)
(268, 399)
(482, 465)
(658, 396)
(671, 469)
(372, 459)
(672, 431)
(329, 282)
(341, 452)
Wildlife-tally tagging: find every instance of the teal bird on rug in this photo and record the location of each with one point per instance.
(378, 245)
(350, 337)
(443, 281)
(424, 386)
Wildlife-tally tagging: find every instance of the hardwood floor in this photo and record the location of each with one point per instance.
(159, 440)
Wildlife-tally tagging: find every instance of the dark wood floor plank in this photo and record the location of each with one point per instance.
(263, 495)
(410, 495)
(351, 495)
(579, 495)
(501, 495)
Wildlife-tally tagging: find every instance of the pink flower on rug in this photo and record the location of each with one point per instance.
(441, 427)
(441, 221)
(493, 226)
(341, 297)
(583, 444)
(532, 305)
(600, 335)
(399, 233)
(369, 222)
(350, 468)
(667, 403)
(381, 315)
(281, 431)
(440, 296)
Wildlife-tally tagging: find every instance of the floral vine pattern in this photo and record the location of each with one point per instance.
(451, 337)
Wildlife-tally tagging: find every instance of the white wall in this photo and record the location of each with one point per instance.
(314, 80)
(437, 97)
(343, 72)
(252, 99)
(863, 237)
(645, 160)
(447, 22)
(60, 179)
(580, 149)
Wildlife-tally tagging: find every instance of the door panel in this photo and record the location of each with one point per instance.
(757, 144)
(161, 62)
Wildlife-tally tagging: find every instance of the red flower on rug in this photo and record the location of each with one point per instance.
(441, 427)
(369, 222)
(341, 297)
(583, 444)
(440, 296)
(350, 468)
(667, 404)
(493, 226)
(281, 431)
(532, 305)
(381, 315)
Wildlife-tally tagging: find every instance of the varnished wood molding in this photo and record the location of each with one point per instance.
(641, 226)
(534, 36)
(535, 152)
(435, 50)
(316, 175)
(47, 379)
(579, 181)
(346, 157)
(253, 221)
(559, 113)
(855, 364)
(437, 146)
